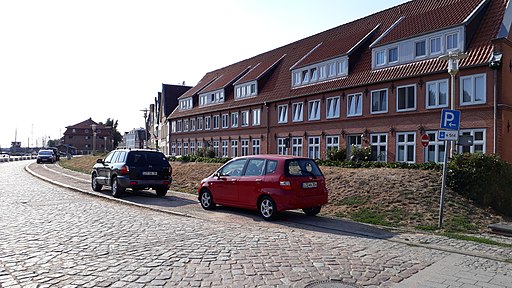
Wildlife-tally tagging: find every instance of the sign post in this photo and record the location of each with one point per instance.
(450, 121)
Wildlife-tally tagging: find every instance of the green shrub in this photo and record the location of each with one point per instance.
(336, 154)
(361, 154)
(485, 179)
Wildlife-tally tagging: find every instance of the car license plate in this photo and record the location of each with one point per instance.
(309, 185)
(149, 173)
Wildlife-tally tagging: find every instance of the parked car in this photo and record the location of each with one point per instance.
(267, 183)
(45, 156)
(55, 152)
(137, 169)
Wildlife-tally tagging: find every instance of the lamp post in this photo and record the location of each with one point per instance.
(93, 127)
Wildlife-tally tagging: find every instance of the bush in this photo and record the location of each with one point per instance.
(361, 154)
(336, 154)
(485, 179)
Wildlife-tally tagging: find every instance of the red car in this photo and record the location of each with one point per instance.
(267, 183)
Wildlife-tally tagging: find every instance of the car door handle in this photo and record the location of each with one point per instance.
(258, 180)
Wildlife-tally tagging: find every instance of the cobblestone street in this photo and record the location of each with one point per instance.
(56, 237)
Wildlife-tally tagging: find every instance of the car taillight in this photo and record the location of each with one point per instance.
(125, 170)
(285, 183)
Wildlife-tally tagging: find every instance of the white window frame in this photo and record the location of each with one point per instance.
(430, 41)
(472, 89)
(199, 123)
(314, 147)
(244, 147)
(256, 146)
(389, 54)
(448, 42)
(245, 118)
(380, 57)
(406, 99)
(192, 124)
(332, 143)
(179, 126)
(234, 120)
(207, 123)
(256, 117)
(416, 55)
(386, 99)
(438, 146)
(173, 126)
(476, 142)
(314, 110)
(298, 112)
(216, 148)
(234, 148)
(380, 146)
(281, 146)
(225, 121)
(354, 108)
(215, 121)
(332, 107)
(297, 146)
(225, 151)
(437, 84)
(282, 113)
(407, 145)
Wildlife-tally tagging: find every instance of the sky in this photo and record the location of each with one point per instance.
(65, 61)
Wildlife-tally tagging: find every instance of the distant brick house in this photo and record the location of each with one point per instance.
(375, 82)
(80, 136)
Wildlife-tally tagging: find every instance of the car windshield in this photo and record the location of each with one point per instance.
(302, 167)
(142, 158)
(46, 153)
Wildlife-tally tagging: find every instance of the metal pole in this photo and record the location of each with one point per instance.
(443, 186)
(452, 106)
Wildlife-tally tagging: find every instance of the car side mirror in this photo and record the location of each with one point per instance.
(99, 161)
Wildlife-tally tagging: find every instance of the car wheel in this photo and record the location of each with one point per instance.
(207, 200)
(312, 211)
(161, 191)
(117, 190)
(94, 183)
(267, 208)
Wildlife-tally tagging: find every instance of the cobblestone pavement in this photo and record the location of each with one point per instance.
(55, 237)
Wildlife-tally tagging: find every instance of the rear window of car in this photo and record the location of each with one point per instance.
(142, 158)
(302, 167)
(45, 152)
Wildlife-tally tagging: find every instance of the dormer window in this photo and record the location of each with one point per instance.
(210, 98)
(329, 69)
(452, 41)
(393, 55)
(246, 90)
(420, 49)
(435, 45)
(186, 103)
(380, 57)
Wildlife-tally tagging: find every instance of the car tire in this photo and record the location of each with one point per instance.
(94, 183)
(312, 211)
(117, 190)
(206, 200)
(161, 191)
(268, 209)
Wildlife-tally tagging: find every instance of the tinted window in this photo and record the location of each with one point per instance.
(233, 168)
(255, 167)
(271, 166)
(142, 158)
(45, 152)
(301, 167)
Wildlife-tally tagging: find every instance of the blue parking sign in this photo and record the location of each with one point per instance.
(450, 119)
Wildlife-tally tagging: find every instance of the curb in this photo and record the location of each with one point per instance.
(89, 193)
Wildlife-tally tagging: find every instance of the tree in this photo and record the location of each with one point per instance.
(115, 133)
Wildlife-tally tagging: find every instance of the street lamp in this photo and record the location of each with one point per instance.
(93, 127)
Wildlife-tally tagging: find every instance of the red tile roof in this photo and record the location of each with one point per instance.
(421, 16)
(227, 76)
(262, 67)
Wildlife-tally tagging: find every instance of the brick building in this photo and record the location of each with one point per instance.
(80, 136)
(377, 81)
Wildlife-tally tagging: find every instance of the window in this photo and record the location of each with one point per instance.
(255, 146)
(225, 149)
(435, 45)
(199, 145)
(207, 123)
(420, 49)
(332, 69)
(234, 120)
(185, 148)
(314, 147)
(314, 110)
(379, 144)
(185, 125)
(225, 120)
(297, 111)
(478, 141)
(379, 101)
(305, 76)
(173, 149)
(216, 122)
(173, 126)
(245, 118)
(283, 114)
(406, 98)
(179, 149)
(393, 55)
(193, 124)
(234, 148)
(355, 104)
(255, 167)
(282, 147)
(452, 41)
(473, 89)
(216, 148)
(256, 113)
(296, 78)
(233, 168)
(245, 147)
(297, 146)
(313, 74)
(333, 107)
(341, 67)
(332, 143)
(406, 147)
(380, 58)
(179, 125)
(435, 150)
(199, 123)
(353, 141)
(323, 72)
(192, 148)
(245, 90)
(437, 94)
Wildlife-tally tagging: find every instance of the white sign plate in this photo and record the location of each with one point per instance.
(448, 135)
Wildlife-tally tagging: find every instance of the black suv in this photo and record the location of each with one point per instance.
(137, 169)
